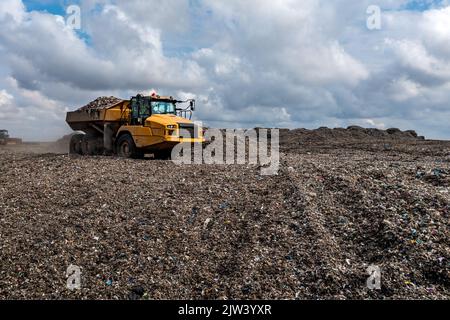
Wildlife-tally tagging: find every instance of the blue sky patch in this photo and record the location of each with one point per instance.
(422, 5)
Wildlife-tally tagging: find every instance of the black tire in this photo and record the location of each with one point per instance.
(91, 145)
(126, 148)
(84, 146)
(75, 144)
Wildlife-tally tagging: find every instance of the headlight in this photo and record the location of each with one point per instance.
(171, 126)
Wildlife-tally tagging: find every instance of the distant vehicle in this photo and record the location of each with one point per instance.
(4, 137)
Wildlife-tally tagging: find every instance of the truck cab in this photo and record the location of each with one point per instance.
(144, 107)
(156, 124)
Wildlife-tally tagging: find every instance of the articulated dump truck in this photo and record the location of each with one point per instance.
(5, 139)
(133, 128)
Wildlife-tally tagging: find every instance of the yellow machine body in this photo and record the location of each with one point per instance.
(158, 132)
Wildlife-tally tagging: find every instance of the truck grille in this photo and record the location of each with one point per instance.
(188, 130)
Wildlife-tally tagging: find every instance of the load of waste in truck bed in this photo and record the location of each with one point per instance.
(101, 103)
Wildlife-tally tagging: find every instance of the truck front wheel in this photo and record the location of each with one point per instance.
(126, 148)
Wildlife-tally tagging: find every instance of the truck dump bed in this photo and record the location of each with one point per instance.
(86, 119)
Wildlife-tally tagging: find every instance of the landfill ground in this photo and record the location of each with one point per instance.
(150, 229)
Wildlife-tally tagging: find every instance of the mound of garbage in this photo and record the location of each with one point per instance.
(101, 103)
(354, 137)
(350, 134)
(142, 229)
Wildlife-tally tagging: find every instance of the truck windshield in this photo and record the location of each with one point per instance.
(162, 107)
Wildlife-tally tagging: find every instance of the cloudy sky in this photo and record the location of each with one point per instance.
(277, 63)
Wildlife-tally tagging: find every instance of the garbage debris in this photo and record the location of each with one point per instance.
(336, 207)
(101, 103)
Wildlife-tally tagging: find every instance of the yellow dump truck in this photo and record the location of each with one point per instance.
(135, 127)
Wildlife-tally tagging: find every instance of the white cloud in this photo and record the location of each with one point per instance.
(12, 9)
(404, 89)
(5, 98)
(414, 56)
(30, 114)
(277, 63)
(435, 27)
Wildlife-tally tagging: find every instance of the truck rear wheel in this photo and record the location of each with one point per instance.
(75, 144)
(126, 148)
(90, 145)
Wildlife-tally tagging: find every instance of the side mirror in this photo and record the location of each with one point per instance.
(192, 105)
